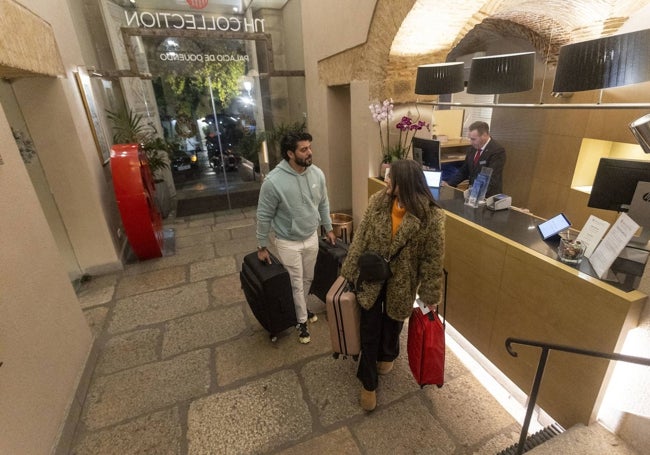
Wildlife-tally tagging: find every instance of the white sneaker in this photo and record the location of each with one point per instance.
(303, 336)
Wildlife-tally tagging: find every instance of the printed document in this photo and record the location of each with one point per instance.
(616, 239)
(591, 233)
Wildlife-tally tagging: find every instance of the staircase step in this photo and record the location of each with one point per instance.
(584, 440)
(535, 439)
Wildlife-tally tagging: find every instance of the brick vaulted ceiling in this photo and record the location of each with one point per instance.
(404, 34)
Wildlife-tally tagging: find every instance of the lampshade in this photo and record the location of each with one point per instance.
(605, 62)
(505, 73)
(641, 130)
(439, 79)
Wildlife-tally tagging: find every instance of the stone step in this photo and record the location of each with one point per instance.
(584, 440)
(535, 439)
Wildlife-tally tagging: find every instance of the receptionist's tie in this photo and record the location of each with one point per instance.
(477, 156)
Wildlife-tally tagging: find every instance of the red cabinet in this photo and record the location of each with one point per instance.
(135, 193)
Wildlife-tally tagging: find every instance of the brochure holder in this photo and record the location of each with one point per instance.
(479, 188)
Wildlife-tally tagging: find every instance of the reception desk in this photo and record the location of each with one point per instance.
(505, 281)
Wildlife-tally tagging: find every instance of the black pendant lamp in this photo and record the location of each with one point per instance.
(439, 79)
(505, 73)
(601, 63)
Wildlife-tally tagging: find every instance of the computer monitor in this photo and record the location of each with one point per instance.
(433, 178)
(616, 182)
(427, 152)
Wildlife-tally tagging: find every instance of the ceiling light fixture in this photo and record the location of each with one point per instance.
(439, 79)
(612, 61)
(505, 73)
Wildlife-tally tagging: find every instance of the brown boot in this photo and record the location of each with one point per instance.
(384, 367)
(368, 399)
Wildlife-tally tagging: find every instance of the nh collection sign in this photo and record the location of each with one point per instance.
(192, 21)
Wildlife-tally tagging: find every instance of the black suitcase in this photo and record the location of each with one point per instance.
(328, 266)
(267, 288)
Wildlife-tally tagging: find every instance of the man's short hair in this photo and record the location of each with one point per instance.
(289, 142)
(481, 127)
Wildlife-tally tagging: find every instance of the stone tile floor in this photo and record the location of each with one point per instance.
(184, 368)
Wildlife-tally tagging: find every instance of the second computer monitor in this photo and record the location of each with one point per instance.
(427, 152)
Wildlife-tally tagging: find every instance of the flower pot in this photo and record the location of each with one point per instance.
(342, 226)
(162, 198)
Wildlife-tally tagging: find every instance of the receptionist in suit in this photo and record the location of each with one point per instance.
(484, 151)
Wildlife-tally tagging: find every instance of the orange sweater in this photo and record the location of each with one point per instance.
(397, 215)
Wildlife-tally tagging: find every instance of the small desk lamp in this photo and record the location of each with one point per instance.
(641, 130)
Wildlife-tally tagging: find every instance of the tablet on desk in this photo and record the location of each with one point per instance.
(554, 226)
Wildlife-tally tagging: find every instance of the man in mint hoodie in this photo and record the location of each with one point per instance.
(293, 203)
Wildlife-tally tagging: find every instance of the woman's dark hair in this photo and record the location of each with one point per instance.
(289, 142)
(414, 193)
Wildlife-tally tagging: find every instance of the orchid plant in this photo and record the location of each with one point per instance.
(382, 113)
(407, 128)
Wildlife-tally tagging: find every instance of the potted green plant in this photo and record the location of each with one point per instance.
(248, 148)
(129, 128)
(274, 136)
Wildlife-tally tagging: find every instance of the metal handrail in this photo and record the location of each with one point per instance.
(546, 347)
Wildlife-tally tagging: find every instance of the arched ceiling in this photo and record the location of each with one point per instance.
(436, 27)
(404, 34)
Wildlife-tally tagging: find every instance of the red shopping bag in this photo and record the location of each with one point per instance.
(426, 348)
(426, 344)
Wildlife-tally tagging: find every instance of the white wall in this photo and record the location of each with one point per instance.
(44, 337)
(54, 112)
(329, 28)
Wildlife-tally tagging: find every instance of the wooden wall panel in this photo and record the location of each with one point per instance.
(499, 289)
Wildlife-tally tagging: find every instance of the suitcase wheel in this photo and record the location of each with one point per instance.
(335, 355)
(355, 357)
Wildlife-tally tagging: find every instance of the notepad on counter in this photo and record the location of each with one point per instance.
(591, 234)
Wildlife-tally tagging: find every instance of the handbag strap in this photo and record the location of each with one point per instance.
(390, 258)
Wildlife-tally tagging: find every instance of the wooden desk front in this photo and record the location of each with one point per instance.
(500, 288)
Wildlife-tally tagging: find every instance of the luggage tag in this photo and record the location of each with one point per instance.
(425, 309)
(419, 303)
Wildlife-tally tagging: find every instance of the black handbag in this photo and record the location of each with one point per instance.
(374, 267)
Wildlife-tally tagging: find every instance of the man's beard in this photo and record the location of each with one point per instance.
(304, 163)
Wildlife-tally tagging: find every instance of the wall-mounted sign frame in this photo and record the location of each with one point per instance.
(86, 91)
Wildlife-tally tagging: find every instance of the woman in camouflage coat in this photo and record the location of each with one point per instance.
(404, 217)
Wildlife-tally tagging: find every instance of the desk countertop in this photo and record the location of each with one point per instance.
(516, 226)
